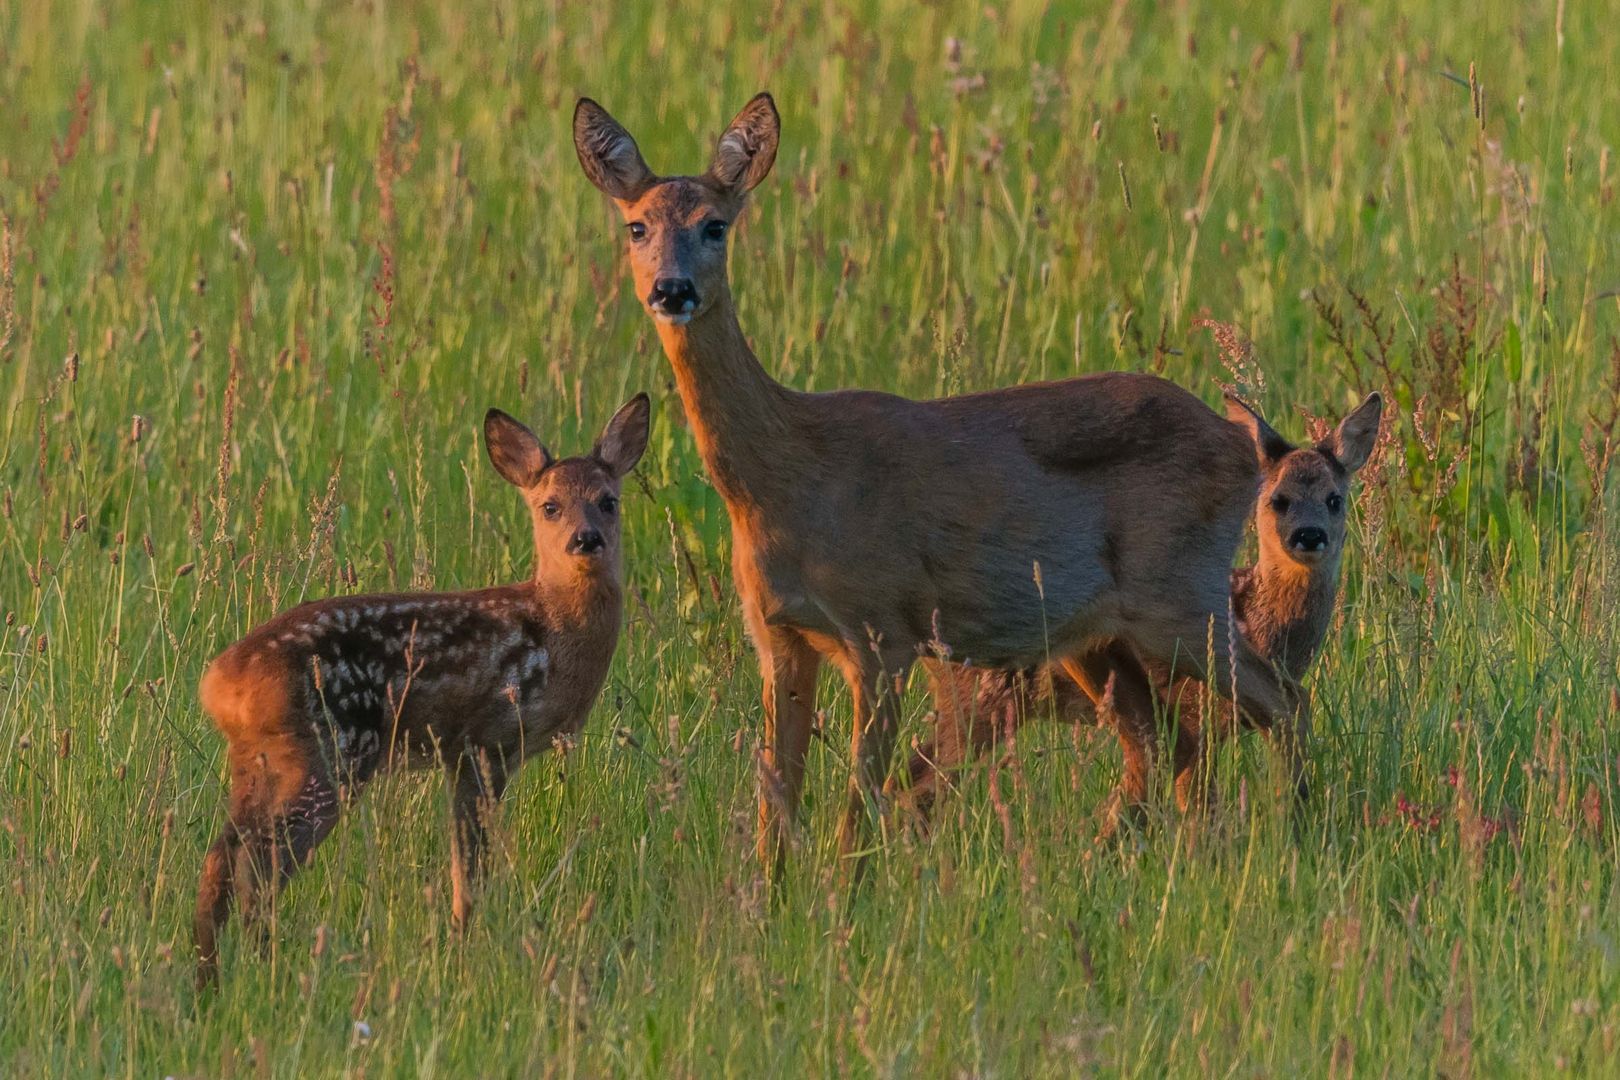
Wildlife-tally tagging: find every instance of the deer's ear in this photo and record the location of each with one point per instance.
(747, 148)
(624, 439)
(608, 154)
(1353, 440)
(1268, 445)
(514, 450)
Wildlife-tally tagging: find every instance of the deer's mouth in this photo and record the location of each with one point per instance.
(1310, 554)
(672, 318)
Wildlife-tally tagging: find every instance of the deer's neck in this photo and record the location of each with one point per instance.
(1288, 609)
(737, 412)
(579, 596)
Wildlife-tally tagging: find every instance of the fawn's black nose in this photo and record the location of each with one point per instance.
(673, 296)
(586, 542)
(1309, 539)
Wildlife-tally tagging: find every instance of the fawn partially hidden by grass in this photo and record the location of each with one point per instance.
(1283, 606)
(317, 700)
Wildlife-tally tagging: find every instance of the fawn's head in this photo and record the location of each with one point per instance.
(574, 502)
(678, 225)
(1300, 515)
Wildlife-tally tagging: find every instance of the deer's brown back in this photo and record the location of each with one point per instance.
(885, 511)
(418, 674)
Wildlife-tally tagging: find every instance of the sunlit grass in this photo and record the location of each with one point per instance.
(262, 273)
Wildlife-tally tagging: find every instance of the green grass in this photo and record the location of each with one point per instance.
(309, 245)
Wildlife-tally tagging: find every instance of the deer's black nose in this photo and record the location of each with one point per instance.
(673, 296)
(1310, 539)
(586, 542)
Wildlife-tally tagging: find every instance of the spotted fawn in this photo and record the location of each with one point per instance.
(316, 701)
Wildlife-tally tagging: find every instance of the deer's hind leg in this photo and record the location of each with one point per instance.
(877, 679)
(290, 805)
(215, 890)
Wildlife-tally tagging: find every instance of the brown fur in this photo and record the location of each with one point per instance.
(316, 701)
(1284, 605)
(1043, 520)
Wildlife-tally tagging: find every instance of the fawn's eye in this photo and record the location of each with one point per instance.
(638, 231)
(608, 504)
(1334, 504)
(550, 509)
(715, 230)
(1280, 503)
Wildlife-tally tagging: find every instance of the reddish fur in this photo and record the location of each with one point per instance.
(317, 700)
(866, 526)
(1283, 604)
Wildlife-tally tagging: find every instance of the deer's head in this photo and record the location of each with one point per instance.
(1300, 515)
(575, 501)
(677, 225)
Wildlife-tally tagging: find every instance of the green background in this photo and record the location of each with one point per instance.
(308, 245)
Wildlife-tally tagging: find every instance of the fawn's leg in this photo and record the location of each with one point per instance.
(214, 894)
(1114, 679)
(789, 666)
(1289, 739)
(1202, 720)
(252, 790)
(1190, 766)
(294, 806)
(477, 781)
(973, 710)
(1265, 698)
(876, 680)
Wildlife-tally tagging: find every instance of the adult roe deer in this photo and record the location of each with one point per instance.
(1284, 604)
(314, 702)
(1094, 518)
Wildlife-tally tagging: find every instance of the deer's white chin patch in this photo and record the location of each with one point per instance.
(674, 320)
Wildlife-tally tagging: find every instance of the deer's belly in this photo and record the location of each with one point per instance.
(1015, 627)
(1019, 585)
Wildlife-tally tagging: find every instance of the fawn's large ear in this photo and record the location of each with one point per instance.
(747, 147)
(1353, 440)
(514, 450)
(624, 439)
(1270, 446)
(608, 154)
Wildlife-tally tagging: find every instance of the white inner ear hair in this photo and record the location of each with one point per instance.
(616, 150)
(733, 154)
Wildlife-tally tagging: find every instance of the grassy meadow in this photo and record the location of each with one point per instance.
(264, 266)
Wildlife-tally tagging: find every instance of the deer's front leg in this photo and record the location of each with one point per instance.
(789, 667)
(877, 681)
(477, 781)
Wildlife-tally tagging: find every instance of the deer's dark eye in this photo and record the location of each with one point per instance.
(715, 230)
(638, 231)
(550, 509)
(1334, 504)
(1280, 503)
(608, 504)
